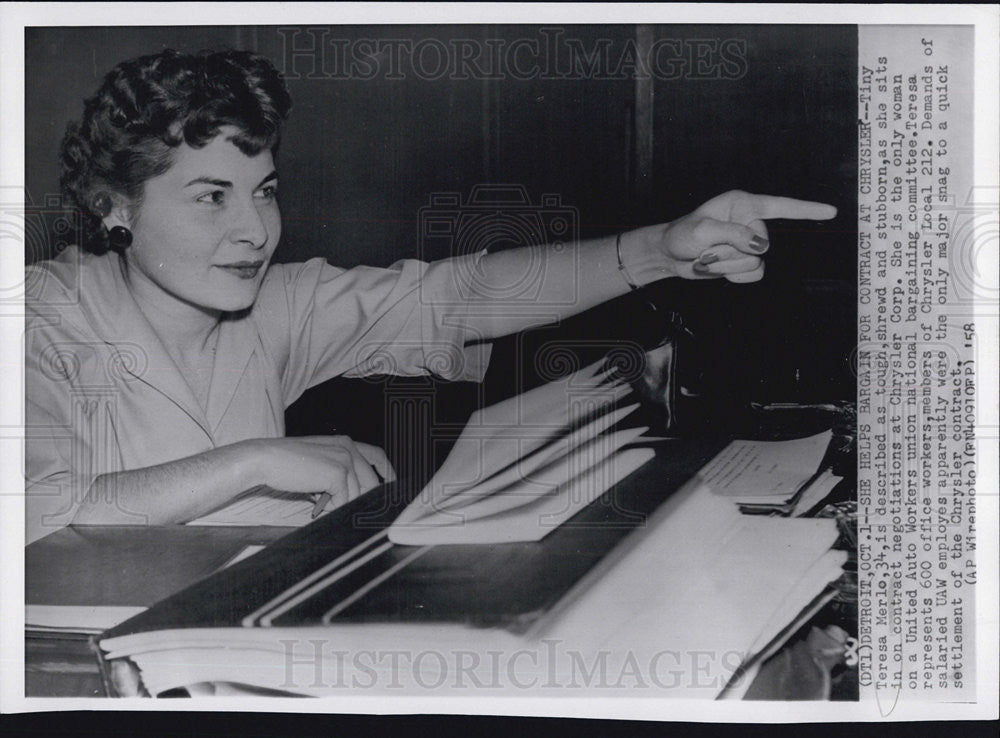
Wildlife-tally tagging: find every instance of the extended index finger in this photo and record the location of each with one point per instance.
(767, 207)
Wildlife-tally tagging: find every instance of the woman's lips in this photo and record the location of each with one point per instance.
(243, 269)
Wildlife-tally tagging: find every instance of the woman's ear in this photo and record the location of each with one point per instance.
(119, 215)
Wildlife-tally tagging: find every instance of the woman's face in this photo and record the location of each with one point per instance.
(207, 227)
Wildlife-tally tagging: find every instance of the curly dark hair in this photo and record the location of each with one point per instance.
(148, 106)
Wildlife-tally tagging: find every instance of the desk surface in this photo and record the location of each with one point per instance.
(84, 557)
(130, 565)
(507, 585)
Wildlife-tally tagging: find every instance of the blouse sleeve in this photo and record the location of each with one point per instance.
(321, 321)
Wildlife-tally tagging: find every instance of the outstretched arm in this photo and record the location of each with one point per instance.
(725, 238)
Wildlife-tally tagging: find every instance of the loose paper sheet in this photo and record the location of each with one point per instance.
(769, 471)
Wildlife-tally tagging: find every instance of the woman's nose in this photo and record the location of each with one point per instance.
(248, 226)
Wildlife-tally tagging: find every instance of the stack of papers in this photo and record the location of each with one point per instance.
(676, 613)
(524, 466)
(815, 492)
(772, 476)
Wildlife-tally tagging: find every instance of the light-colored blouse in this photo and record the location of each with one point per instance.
(103, 395)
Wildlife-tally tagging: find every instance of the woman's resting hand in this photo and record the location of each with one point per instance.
(182, 490)
(336, 465)
(725, 237)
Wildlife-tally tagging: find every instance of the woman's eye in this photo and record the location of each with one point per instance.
(215, 197)
(269, 192)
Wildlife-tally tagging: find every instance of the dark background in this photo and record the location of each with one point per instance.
(361, 157)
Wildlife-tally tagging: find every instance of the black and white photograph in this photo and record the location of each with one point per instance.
(488, 364)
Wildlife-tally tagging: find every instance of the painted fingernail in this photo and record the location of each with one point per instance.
(708, 258)
(759, 244)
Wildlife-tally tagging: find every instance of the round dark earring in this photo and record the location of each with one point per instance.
(120, 238)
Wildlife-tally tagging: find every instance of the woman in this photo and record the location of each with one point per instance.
(160, 358)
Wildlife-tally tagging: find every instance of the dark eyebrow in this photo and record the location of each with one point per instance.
(210, 181)
(226, 184)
